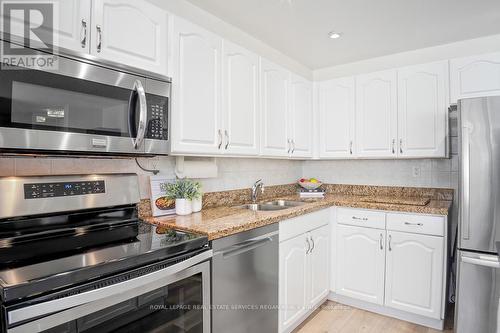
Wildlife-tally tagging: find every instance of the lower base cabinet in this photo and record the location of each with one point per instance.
(304, 272)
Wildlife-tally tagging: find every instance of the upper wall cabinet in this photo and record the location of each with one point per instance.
(376, 114)
(240, 100)
(196, 91)
(275, 140)
(301, 117)
(475, 76)
(422, 110)
(336, 103)
(130, 32)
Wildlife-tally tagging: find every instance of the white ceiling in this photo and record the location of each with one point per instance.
(370, 28)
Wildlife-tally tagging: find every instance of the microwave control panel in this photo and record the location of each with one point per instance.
(63, 189)
(157, 117)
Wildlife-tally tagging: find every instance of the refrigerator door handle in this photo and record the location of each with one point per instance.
(482, 260)
(465, 219)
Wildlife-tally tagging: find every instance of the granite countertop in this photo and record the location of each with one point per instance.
(221, 221)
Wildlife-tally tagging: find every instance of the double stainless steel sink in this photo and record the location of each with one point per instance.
(272, 205)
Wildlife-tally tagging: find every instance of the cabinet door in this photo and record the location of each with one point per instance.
(241, 101)
(414, 273)
(337, 115)
(318, 265)
(475, 76)
(72, 29)
(196, 90)
(301, 117)
(376, 114)
(361, 263)
(133, 33)
(422, 110)
(293, 281)
(274, 85)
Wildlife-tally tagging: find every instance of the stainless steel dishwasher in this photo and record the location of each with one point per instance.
(245, 276)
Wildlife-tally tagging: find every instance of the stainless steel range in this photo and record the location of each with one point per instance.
(75, 258)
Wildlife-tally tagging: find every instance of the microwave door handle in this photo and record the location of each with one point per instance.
(143, 113)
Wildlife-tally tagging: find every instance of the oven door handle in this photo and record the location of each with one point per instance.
(139, 91)
(140, 285)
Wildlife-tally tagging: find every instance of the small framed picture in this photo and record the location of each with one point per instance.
(160, 204)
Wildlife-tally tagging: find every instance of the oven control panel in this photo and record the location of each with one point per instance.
(63, 189)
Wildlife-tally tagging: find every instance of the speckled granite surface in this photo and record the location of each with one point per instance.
(224, 220)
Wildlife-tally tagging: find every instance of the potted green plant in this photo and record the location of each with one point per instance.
(182, 191)
(196, 196)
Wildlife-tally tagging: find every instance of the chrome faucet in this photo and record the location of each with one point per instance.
(258, 185)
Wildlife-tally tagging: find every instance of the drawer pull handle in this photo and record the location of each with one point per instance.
(381, 241)
(417, 224)
(390, 241)
(360, 218)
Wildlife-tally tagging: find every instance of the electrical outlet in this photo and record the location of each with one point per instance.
(416, 171)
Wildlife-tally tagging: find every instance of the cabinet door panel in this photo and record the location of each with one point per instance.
(360, 263)
(133, 33)
(241, 100)
(414, 273)
(475, 76)
(422, 110)
(293, 281)
(376, 114)
(275, 81)
(319, 268)
(337, 116)
(301, 117)
(196, 89)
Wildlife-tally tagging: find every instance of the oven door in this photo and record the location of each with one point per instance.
(174, 300)
(81, 107)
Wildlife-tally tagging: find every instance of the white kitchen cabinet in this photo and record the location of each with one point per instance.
(318, 265)
(414, 273)
(360, 263)
(475, 76)
(134, 33)
(376, 114)
(275, 80)
(241, 101)
(422, 110)
(196, 91)
(73, 29)
(293, 281)
(336, 102)
(301, 117)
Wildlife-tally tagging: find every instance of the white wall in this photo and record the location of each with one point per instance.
(211, 22)
(464, 48)
(234, 173)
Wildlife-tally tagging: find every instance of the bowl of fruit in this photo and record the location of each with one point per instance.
(309, 184)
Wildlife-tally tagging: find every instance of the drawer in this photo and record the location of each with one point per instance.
(418, 224)
(301, 224)
(361, 218)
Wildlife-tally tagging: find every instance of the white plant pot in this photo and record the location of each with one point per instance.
(183, 206)
(197, 204)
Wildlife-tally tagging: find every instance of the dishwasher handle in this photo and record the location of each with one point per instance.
(246, 246)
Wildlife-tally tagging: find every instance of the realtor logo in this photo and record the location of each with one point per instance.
(30, 26)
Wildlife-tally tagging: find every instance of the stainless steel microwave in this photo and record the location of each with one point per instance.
(83, 107)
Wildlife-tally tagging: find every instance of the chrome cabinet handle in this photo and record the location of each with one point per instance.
(308, 246)
(313, 245)
(417, 224)
(83, 34)
(400, 146)
(360, 218)
(289, 146)
(390, 246)
(394, 146)
(99, 38)
(293, 145)
(381, 240)
(350, 147)
(220, 139)
(227, 139)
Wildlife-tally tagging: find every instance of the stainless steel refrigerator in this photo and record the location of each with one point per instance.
(478, 280)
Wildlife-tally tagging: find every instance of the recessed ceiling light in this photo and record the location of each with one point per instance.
(334, 35)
